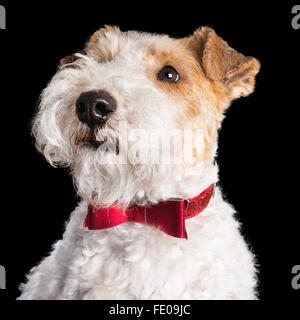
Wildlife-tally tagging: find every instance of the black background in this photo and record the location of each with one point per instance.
(257, 144)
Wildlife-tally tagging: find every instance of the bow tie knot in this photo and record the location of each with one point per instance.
(168, 216)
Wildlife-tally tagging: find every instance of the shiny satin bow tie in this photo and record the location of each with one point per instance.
(169, 216)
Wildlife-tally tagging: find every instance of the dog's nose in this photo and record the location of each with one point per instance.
(95, 107)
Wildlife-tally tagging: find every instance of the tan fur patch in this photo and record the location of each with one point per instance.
(211, 75)
(194, 94)
(166, 51)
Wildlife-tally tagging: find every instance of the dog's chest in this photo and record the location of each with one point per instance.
(137, 261)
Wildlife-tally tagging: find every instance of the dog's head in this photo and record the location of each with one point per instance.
(99, 112)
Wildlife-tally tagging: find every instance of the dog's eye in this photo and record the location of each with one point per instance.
(169, 74)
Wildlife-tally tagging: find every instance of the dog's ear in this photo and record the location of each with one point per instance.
(92, 41)
(101, 32)
(68, 59)
(221, 63)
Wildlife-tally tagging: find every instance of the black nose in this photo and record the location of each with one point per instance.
(95, 107)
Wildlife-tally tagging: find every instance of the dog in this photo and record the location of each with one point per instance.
(144, 230)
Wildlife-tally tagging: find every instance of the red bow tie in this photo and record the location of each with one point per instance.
(168, 216)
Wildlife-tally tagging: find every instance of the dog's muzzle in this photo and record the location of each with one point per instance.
(95, 107)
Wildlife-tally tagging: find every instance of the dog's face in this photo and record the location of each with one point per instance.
(97, 113)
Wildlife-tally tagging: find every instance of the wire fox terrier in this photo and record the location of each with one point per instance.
(135, 116)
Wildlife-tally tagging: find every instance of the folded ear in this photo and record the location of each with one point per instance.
(68, 59)
(222, 63)
(90, 43)
(101, 32)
